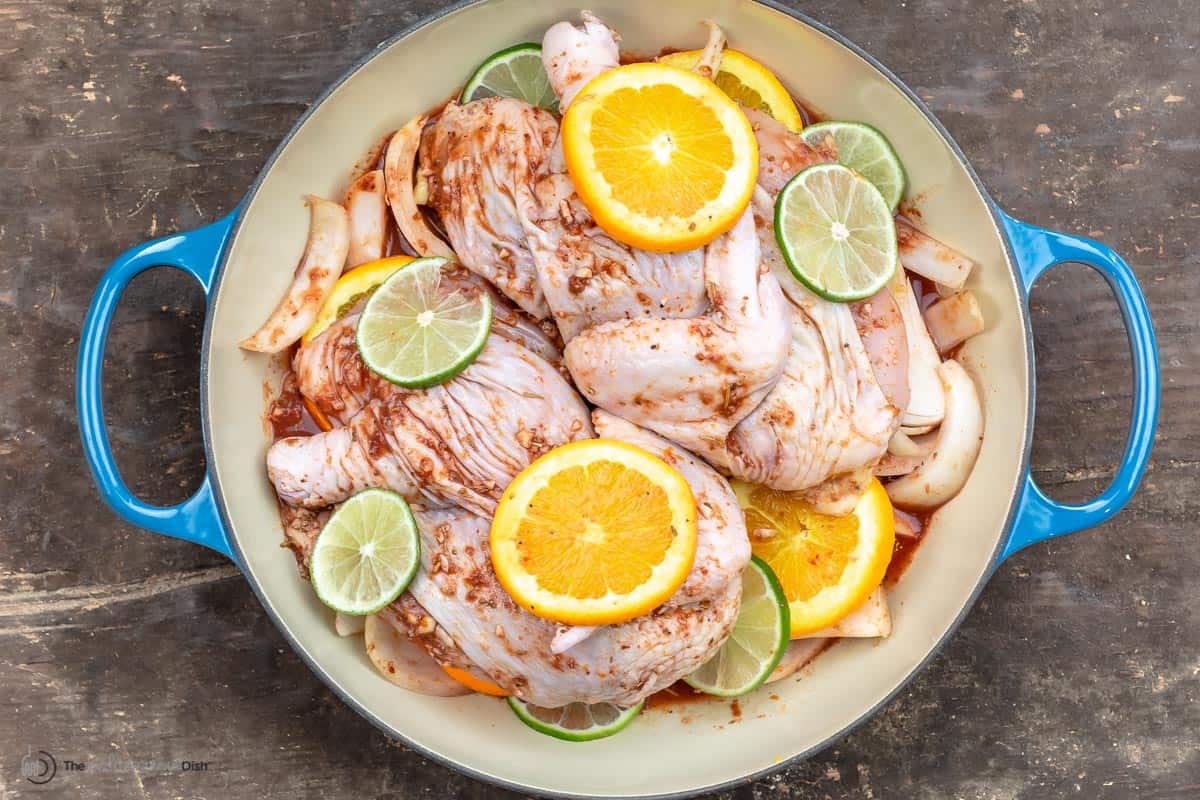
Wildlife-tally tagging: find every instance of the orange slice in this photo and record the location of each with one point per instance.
(317, 414)
(353, 286)
(828, 566)
(662, 158)
(474, 682)
(748, 82)
(593, 533)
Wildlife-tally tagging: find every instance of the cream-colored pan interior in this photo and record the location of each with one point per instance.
(696, 746)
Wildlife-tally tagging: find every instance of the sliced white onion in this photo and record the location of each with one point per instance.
(929, 258)
(944, 473)
(710, 57)
(348, 624)
(798, 653)
(398, 168)
(404, 662)
(317, 272)
(901, 444)
(925, 402)
(366, 204)
(870, 620)
(905, 453)
(953, 320)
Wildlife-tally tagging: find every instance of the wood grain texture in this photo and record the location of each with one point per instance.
(1077, 673)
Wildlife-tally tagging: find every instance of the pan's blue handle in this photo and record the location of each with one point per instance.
(198, 253)
(1039, 517)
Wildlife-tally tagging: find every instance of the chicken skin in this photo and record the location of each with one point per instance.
(458, 443)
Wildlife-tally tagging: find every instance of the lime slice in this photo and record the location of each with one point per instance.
(758, 641)
(366, 554)
(417, 330)
(576, 722)
(836, 233)
(517, 72)
(865, 150)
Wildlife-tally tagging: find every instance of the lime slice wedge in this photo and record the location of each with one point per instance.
(836, 233)
(366, 554)
(577, 722)
(865, 150)
(417, 330)
(758, 641)
(517, 72)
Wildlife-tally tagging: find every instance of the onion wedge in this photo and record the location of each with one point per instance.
(929, 258)
(798, 653)
(869, 621)
(404, 662)
(925, 402)
(953, 320)
(348, 624)
(941, 476)
(907, 526)
(398, 170)
(366, 203)
(319, 269)
(904, 454)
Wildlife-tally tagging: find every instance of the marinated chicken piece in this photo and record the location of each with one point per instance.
(460, 442)
(330, 372)
(781, 153)
(622, 664)
(498, 181)
(481, 162)
(589, 278)
(828, 414)
(884, 333)
(518, 223)
(574, 55)
(693, 380)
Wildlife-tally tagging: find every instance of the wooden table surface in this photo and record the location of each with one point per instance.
(1075, 676)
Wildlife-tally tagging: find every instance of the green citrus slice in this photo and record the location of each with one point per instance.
(366, 554)
(836, 233)
(417, 330)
